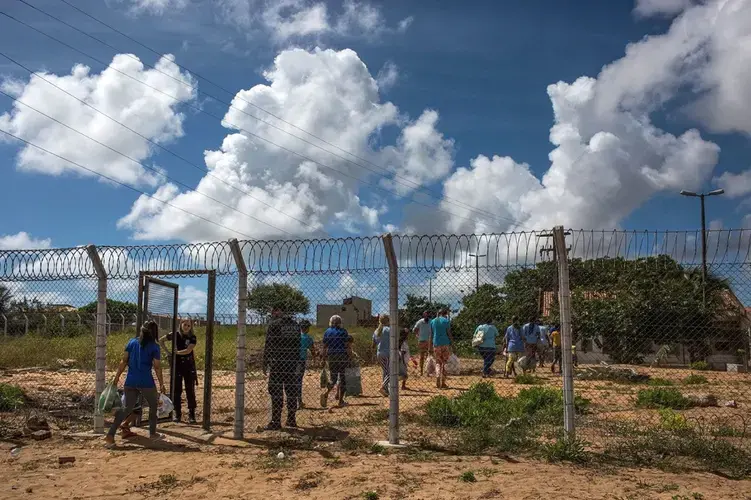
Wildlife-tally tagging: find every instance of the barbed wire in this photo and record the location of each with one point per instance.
(363, 254)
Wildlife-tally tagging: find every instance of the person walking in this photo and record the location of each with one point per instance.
(488, 347)
(531, 336)
(555, 340)
(281, 355)
(381, 343)
(543, 345)
(404, 357)
(306, 343)
(142, 354)
(337, 344)
(440, 346)
(423, 332)
(185, 369)
(514, 346)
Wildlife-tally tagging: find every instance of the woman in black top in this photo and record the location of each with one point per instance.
(185, 342)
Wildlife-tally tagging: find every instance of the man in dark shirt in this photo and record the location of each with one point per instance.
(281, 354)
(185, 372)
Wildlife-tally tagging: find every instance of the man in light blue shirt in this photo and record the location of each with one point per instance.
(423, 332)
(531, 335)
(514, 346)
(488, 348)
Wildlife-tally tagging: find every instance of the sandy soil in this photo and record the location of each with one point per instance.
(68, 393)
(198, 466)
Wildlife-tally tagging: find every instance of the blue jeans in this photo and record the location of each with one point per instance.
(385, 372)
(488, 358)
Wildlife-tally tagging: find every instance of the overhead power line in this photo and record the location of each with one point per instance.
(415, 185)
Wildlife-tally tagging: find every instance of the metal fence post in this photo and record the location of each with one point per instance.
(559, 240)
(101, 334)
(5, 325)
(242, 310)
(388, 245)
(25, 324)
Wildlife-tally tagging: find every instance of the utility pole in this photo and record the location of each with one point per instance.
(430, 292)
(559, 241)
(477, 269)
(701, 197)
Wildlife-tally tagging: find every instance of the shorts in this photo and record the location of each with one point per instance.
(423, 346)
(514, 356)
(442, 354)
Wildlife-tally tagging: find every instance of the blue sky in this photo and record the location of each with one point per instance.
(466, 79)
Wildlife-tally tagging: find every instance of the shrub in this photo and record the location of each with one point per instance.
(695, 379)
(670, 420)
(527, 379)
(440, 411)
(659, 382)
(662, 398)
(12, 397)
(565, 450)
(468, 477)
(545, 405)
(370, 495)
(699, 365)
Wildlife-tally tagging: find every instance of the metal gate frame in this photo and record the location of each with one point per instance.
(209, 348)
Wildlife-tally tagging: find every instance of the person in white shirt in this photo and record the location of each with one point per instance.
(423, 332)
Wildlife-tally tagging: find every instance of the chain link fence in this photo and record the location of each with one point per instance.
(658, 345)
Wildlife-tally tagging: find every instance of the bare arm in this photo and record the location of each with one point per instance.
(158, 369)
(121, 367)
(187, 350)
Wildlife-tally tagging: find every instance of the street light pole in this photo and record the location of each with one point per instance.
(477, 269)
(701, 197)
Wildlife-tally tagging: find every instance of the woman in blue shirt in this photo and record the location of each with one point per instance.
(141, 355)
(514, 346)
(336, 346)
(306, 342)
(382, 342)
(488, 348)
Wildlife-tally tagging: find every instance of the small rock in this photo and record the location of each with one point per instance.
(703, 400)
(731, 404)
(36, 423)
(29, 490)
(66, 460)
(66, 363)
(41, 435)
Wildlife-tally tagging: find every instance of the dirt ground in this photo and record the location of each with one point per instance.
(67, 394)
(194, 466)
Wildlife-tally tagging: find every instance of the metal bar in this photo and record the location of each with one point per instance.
(140, 311)
(179, 272)
(173, 368)
(242, 310)
(5, 325)
(209, 353)
(101, 334)
(559, 239)
(157, 281)
(388, 245)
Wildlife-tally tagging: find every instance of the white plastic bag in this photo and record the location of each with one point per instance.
(478, 338)
(453, 367)
(165, 406)
(430, 368)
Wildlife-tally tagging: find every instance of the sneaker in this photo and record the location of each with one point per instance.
(273, 426)
(176, 419)
(291, 422)
(192, 420)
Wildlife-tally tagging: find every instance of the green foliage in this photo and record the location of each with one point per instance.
(415, 305)
(695, 379)
(662, 398)
(670, 420)
(659, 382)
(440, 411)
(12, 397)
(700, 366)
(468, 477)
(114, 309)
(264, 298)
(370, 495)
(5, 299)
(527, 379)
(480, 306)
(378, 449)
(565, 450)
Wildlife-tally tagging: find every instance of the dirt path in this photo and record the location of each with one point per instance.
(192, 469)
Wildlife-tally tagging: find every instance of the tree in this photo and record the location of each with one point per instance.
(264, 298)
(114, 308)
(627, 306)
(5, 299)
(415, 305)
(484, 304)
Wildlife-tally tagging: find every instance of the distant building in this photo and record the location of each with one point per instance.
(354, 311)
(59, 308)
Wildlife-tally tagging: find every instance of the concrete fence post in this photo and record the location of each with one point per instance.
(388, 246)
(101, 334)
(559, 240)
(242, 311)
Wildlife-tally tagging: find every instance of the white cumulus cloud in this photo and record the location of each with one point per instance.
(23, 241)
(735, 185)
(151, 113)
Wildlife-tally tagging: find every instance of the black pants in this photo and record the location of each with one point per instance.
(185, 374)
(338, 364)
(300, 377)
(283, 381)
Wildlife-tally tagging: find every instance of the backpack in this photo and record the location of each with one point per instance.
(479, 337)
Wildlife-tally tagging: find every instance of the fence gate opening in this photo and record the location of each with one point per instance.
(158, 301)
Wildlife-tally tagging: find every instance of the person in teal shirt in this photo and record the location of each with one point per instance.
(306, 342)
(440, 344)
(488, 348)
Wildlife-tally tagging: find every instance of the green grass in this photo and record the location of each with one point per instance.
(44, 350)
(659, 382)
(12, 397)
(662, 398)
(528, 379)
(695, 379)
(468, 477)
(370, 495)
(671, 420)
(699, 365)
(565, 450)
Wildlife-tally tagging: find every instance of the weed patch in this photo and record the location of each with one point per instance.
(695, 379)
(659, 382)
(528, 379)
(12, 397)
(468, 477)
(662, 398)
(699, 365)
(565, 450)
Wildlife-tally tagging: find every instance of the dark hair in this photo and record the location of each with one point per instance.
(403, 335)
(514, 319)
(149, 333)
(444, 312)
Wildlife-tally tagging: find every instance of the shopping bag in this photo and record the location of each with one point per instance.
(353, 380)
(453, 366)
(164, 406)
(324, 377)
(107, 399)
(430, 368)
